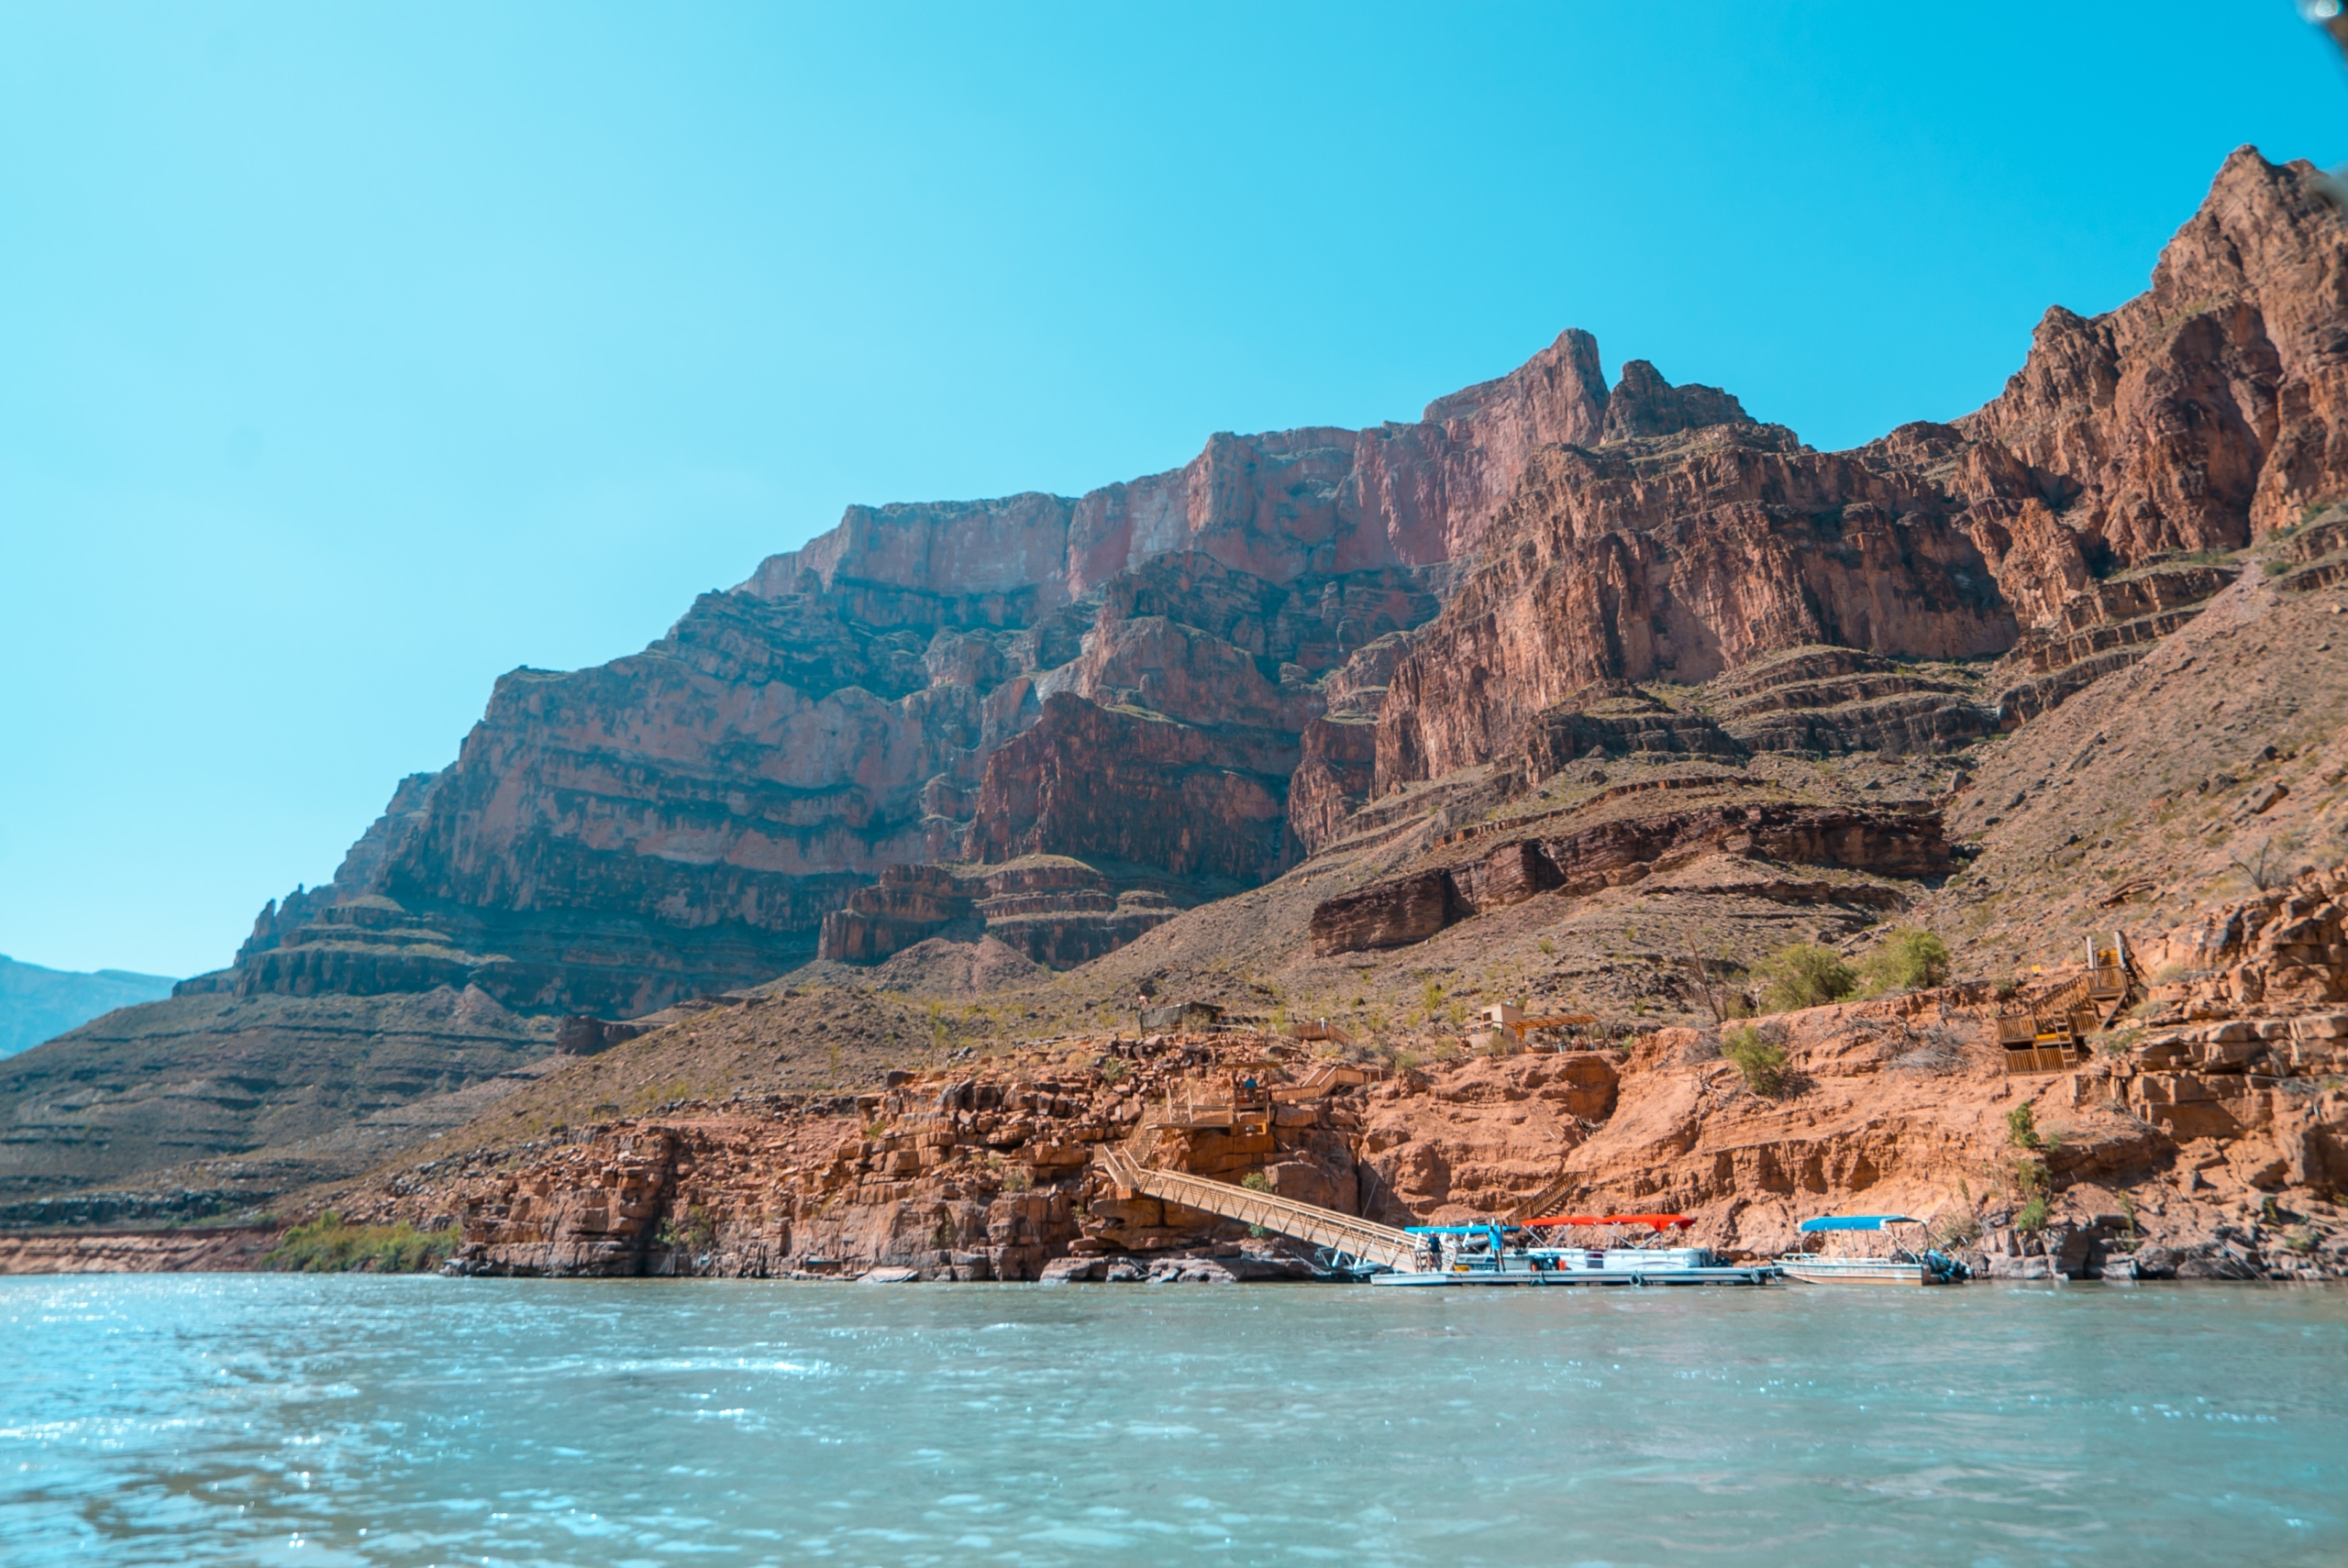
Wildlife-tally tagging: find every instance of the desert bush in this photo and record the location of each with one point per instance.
(1961, 1228)
(2033, 1218)
(2030, 1177)
(1906, 960)
(327, 1245)
(693, 1230)
(2022, 1127)
(1932, 1049)
(1111, 1070)
(1256, 1181)
(1762, 1063)
(1803, 975)
(1930, 1057)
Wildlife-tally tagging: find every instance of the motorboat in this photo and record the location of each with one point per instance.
(1490, 1252)
(1902, 1265)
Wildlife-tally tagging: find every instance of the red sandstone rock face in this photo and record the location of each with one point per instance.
(1087, 780)
(1612, 853)
(1393, 914)
(1279, 505)
(2219, 1094)
(683, 820)
(1680, 562)
(2212, 407)
(1337, 766)
(1480, 1137)
(195, 1249)
(2215, 404)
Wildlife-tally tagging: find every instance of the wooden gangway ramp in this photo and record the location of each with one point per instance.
(1362, 1238)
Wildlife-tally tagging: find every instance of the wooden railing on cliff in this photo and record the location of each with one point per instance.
(2047, 1031)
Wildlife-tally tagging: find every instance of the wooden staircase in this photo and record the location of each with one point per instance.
(2050, 1033)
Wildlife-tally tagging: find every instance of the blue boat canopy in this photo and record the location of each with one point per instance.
(1488, 1228)
(1856, 1222)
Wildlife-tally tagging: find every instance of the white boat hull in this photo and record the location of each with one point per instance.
(1759, 1274)
(1813, 1270)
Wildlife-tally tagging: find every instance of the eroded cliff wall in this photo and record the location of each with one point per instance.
(1165, 673)
(2206, 412)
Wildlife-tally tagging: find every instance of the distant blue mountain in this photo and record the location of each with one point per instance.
(36, 1004)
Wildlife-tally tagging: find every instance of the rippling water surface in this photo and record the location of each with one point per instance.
(352, 1421)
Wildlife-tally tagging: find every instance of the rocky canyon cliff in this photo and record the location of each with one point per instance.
(1183, 681)
(1401, 667)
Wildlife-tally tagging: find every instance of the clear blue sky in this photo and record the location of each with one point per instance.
(353, 354)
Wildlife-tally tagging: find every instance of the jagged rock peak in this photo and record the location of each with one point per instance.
(1559, 395)
(1644, 403)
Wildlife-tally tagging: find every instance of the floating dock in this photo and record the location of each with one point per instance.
(1480, 1254)
(1437, 1255)
(1614, 1265)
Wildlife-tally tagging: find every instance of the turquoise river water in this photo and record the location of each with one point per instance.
(291, 1419)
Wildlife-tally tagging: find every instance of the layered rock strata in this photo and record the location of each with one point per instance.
(2099, 629)
(1831, 701)
(1615, 852)
(1055, 910)
(207, 1086)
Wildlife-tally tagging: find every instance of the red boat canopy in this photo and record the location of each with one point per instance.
(1657, 1222)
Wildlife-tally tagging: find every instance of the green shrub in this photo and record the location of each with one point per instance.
(2033, 1218)
(1111, 1070)
(1256, 1181)
(1908, 960)
(1763, 1064)
(1803, 975)
(2030, 1177)
(1960, 1228)
(327, 1245)
(2022, 1127)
